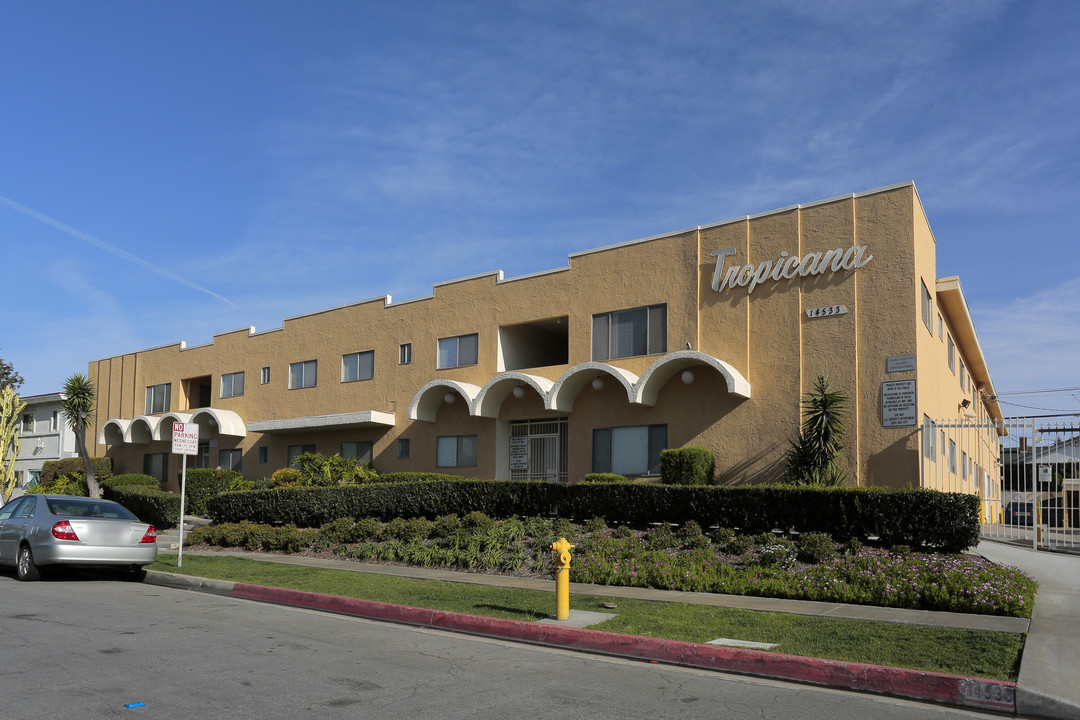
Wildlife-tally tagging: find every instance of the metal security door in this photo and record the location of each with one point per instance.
(538, 450)
(544, 457)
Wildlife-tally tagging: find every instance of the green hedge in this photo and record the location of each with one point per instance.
(51, 469)
(203, 484)
(411, 477)
(918, 518)
(131, 479)
(605, 478)
(690, 465)
(157, 507)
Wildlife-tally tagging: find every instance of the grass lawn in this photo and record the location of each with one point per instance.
(993, 655)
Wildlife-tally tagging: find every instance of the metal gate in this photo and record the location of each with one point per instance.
(1026, 472)
(546, 456)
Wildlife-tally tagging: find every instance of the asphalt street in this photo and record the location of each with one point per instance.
(89, 646)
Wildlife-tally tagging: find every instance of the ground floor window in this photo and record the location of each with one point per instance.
(357, 450)
(156, 465)
(33, 477)
(202, 459)
(230, 459)
(456, 451)
(264, 455)
(296, 451)
(631, 450)
(929, 436)
(403, 449)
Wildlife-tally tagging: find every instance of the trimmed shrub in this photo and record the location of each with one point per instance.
(816, 547)
(690, 465)
(690, 535)
(51, 469)
(131, 479)
(415, 477)
(477, 523)
(205, 483)
(445, 526)
(605, 478)
(918, 518)
(286, 477)
(595, 525)
(157, 507)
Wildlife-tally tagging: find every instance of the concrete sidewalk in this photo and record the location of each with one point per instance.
(1044, 688)
(1047, 686)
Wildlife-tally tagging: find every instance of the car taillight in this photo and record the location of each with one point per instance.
(63, 531)
(150, 536)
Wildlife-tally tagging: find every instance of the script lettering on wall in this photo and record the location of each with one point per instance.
(785, 267)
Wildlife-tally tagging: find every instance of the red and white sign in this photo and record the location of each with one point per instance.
(185, 438)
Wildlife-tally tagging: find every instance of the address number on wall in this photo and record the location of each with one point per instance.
(826, 311)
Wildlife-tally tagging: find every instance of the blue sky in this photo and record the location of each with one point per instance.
(171, 171)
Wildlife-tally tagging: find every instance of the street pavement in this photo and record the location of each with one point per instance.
(1046, 686)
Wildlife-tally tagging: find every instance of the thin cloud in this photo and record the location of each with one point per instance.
(102, 245)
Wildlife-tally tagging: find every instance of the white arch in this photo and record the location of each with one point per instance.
(495, 391)
(660, 372)
(113, 432)
(163, 431)
(425, 404)
(142, 429)
(221, 422)
(565, 390)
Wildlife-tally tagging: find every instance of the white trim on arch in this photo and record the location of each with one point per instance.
(660, 372)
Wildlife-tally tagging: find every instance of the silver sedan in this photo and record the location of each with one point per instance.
(43, 530)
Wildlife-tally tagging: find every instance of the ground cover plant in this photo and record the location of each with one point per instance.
(972, 653)
(811, 567)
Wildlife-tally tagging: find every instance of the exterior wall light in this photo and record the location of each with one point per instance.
(687, 377)
(448, 398)
(519, 392)
(598, 383)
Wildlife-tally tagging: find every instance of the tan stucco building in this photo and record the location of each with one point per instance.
(707, 336)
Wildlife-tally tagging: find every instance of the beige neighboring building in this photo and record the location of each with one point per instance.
(706, 336)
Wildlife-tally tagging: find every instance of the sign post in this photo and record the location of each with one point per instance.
(185, 441)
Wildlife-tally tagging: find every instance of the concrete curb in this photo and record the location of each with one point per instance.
(955, 690)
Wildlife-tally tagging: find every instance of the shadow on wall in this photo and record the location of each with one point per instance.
(767, 466)
(897, 466)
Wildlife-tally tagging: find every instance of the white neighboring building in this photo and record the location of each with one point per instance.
(43, 435)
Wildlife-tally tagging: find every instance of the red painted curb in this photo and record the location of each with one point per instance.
(901, 682)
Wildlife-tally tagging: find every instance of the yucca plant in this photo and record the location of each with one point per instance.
(813, 459)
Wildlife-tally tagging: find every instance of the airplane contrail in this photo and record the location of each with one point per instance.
(102, 245)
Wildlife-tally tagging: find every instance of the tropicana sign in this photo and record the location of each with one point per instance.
(785, 267)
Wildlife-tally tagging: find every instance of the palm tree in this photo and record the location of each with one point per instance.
(77, 405)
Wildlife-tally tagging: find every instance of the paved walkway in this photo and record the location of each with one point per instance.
(1048, 682)
(1047, 686)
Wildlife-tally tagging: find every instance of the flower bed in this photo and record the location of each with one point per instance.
(767, 565)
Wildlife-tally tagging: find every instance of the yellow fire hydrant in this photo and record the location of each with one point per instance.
(562, 578)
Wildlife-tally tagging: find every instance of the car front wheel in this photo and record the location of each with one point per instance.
(25, 568)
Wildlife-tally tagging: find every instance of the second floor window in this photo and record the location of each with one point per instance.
(232, 384)
(157, 398)
(458, 351)
(626, 333)
(358, 366)
(927, 309)
(303, 374)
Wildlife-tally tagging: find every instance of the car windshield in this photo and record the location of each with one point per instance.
(88, 508)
